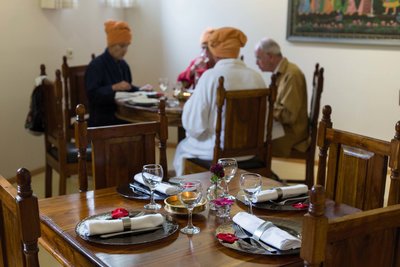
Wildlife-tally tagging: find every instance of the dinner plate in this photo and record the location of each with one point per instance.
(270, 205)
(292, 227)
(169, 227)
(125, 190)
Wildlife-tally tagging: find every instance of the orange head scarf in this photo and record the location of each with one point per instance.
(206, 35)
(118, 32)
(226, 42)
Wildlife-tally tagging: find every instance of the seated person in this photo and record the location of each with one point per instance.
(200, 64)
(200, 111)
(290, 108)
(109, 73)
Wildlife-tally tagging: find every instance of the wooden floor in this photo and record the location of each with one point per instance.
(286, 169)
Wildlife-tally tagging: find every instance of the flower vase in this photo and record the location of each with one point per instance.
(213, 192)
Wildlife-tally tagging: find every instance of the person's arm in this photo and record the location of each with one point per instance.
(288, 106)
(196, 111)
(187, 76)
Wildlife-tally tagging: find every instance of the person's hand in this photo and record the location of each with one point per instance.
(121, 86)
(147, 87)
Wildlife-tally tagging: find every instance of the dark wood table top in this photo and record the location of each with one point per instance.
(61, 214)
(135, 113)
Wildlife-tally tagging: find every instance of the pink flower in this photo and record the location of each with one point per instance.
(223, 201)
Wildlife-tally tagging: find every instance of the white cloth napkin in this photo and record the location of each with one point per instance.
(287, 191)
(273, 236)
(97, 227)
(164, 188)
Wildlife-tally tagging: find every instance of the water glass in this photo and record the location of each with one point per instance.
(230, 167)
(152, 175)
(190, 194)
(250, 183)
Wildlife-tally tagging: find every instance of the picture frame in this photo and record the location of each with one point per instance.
(365, 22)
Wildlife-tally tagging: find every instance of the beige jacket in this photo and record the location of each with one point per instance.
(291, 110)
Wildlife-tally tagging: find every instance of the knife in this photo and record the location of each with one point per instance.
(139, 231)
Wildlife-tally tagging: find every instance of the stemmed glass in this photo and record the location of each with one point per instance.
(250, 183)
(164, 83)
(190, 195)
(152, 175)
(230, 167)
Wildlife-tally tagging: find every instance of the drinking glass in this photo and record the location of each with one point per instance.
(250, 183)
(190, 195)
(230, 167)
(152, 175)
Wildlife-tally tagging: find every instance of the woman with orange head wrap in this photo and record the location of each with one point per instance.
(109, 73)
(200, 111)
(198, 65)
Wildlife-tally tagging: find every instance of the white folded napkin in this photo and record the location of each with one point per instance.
(287, 191)
(97, 227)
(164, 188)
(273, 235)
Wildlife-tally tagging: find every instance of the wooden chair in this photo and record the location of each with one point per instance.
(61, 154)
(120, 151)
(357, 166)
(19, 222)
(363, 239)
(309, 154)
(74, 92)
(244, 129)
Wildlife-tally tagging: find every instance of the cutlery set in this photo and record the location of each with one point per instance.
(241, 234)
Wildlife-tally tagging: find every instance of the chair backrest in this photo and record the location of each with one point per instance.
(120, 151)
(19, 222)
(363, 239)
(318, 84)
(55, 136)
(74, 91)
(244, 130)
(357, 166)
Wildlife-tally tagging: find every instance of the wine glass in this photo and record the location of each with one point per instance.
(230, 167)
(190, 195)
(250, 183)
(152, 175)
(164, 83)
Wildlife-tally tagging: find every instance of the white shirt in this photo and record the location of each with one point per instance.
(200, 111)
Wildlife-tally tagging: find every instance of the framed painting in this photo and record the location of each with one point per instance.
(345, 21)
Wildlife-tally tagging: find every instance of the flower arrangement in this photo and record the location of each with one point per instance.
(217, 172)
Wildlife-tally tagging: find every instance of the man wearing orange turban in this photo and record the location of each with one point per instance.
(198, 65)
(200, 111)
(109, 73)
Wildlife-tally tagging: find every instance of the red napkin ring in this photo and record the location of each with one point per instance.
(227, 237)
(300, 205)
(119, 213)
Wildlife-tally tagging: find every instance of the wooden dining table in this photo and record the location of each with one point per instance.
(61, 214)
(137, 113)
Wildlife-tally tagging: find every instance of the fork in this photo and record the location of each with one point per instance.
(240, 233)
(288, 200)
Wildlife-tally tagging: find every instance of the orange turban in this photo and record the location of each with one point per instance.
(206, 35)
(226, 42)
(118, 32)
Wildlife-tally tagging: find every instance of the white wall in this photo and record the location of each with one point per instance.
(361, 82)
(31, 36)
